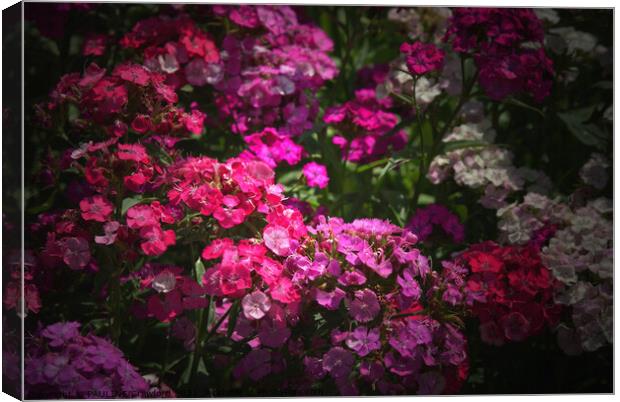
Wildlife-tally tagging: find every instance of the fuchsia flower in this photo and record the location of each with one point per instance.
(277, 239)
(364, 340)
(132, 152)
(365, 306)
(316, 174)
(330, 300)
(426, 219)
(156, 240)
(422, 58)
(96, 208)
(94, 45)
(338, 362)
(255, 305)
(140, 216)
(167, 308)
(110, 231)
(76, 252)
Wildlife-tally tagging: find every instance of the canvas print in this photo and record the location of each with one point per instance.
(288, 200)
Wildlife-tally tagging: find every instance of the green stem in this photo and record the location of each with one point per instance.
(422, 165)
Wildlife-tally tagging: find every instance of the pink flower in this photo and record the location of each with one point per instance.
(234, 278)
(96, 208)
(164, 282)
(278, 240)
(516, 326)
(273, 333)
(156, 240)
(94, 45)
(229, 216)
(363, 340)
(284, 291)
(166, 309)
(365, 306)
(422, 58)
(133, 73)
(216, 248)
(141, 124)
(194, 122)
(76, 252)
(330, 300)
(316, 175)
(140, 216)
(110, 229)
(338, 362)
(132, 152)
(255, 305)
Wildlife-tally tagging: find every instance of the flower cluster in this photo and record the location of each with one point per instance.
(268, 79)
(60, 362)
(507, 47)
(229, 191)
(32, 276)
(422, 58)
(484, 166)
(364, 127)
(385, 311)
(513, 290)
(426, 219)
(208, 236)
(580, 255)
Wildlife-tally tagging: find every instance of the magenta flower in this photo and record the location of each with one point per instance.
(165, 310)
(156, 240)
(273, 333)
(365, 306)
(255, 305)
(140, 216)
(60, 333)
(110, 230)
(164, 282)
(76, 252)
(363, 340)
(329, 300)
(422, 58)
(96, 208)
(278, 240)
(316, 174)
(338, 362)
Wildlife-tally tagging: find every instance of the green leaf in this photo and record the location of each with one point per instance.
(131, 201)
(587, 134)
(199, 269)
(232, 318)
(454, 145)
(46, 205)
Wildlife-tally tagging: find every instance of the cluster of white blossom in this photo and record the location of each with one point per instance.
(579, 254)
(481, 164)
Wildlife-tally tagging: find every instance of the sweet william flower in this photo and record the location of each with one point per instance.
(156, 240)
(165, 310)
(60, 333)
(110, 230)
(338, 362)
(96, 208)
(216, 248)
(76, 252)
(364, 340)
(316, 175)
(330, 300)
(255, 305)
(422, 58)
(140, 216)
(141, 124)
(278, 240)
(365, 306)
